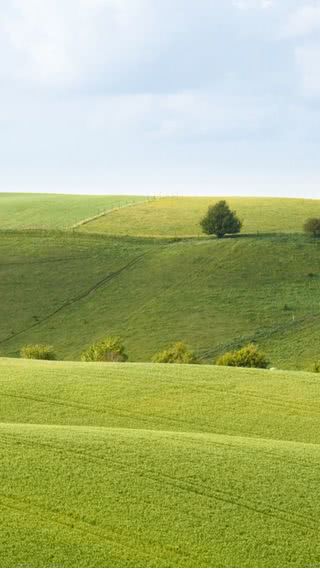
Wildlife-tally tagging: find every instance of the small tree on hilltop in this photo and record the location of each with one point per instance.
(312, 226)
(220, 220)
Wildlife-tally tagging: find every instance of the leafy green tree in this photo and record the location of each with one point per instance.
(111, 349)
(178, 353)
(312, 226)
(220, 220)
(248, 356)
(37, 352)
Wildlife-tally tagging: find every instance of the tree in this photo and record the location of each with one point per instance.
(37, 352)
(248, 356)
(111, 349)
(220, 220)
(312, 226)
(178, 353)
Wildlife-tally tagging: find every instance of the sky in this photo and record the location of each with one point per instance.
(160, 96)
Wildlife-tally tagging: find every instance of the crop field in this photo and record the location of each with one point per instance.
(179, 216)
(150, 465)
(69, 290)
(54, 211)
(158, 465)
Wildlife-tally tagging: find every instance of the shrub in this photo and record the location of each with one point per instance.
(178, 353)
(220, 220)
(248, 356)
(111, 349)
(37, 352)
(316, 367)
(312, 226)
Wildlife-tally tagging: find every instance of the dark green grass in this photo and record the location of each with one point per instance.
(149, 465)
(54, 211)
(70, 290)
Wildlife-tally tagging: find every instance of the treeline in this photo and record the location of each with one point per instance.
(112, 349)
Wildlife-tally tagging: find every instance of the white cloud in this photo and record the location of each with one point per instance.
(304, 21)
(193, 114)
(308, 61)
(253, 4)
(179, 115)
(145, 116)
(302, 27)
(59, 42)
(90, 86)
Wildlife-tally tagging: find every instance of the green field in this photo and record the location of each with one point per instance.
(170, 217)
(54, 211)
(143, 465)
(69, 290)
(151, 465)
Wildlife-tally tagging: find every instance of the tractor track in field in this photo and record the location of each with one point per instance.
(108, 535)
(68, 303)
(259, 507)
(44, 261)
(114, 411)
(13, 439)
(263, 334)
(278, 403)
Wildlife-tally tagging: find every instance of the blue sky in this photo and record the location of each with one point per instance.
(160, 96)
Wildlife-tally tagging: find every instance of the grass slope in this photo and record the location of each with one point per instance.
(69, 290)
(180, 217)
(150, 465)
(54, 211)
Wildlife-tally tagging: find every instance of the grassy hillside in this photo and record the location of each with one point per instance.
(69, 290)
(180, 216)
(152, 465)
(146, 465)
(54, 211)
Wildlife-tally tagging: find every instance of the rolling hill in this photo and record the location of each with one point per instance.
(55, 211)
(145, 465)
(152, 465)
(71, 289)
(179, 216)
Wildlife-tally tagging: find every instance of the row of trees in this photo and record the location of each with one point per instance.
(112, 349)
(248, 356)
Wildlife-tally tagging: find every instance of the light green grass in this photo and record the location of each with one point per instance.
(70, 290)
(180, 216)
(54, 211)
(152, 465)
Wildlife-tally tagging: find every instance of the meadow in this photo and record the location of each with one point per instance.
(55, 211)
(158, 465)
(69, 290)
(179, 216)
(148, 465)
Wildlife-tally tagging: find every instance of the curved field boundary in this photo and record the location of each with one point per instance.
(108, 211)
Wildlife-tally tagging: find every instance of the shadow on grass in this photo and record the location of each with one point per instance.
(270, 235)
